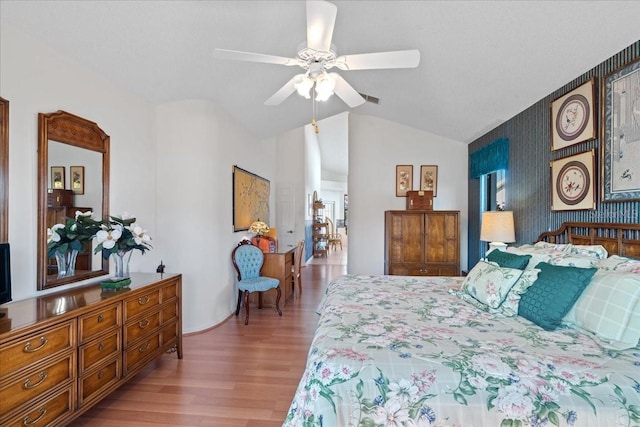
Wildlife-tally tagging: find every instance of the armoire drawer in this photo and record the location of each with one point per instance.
(33, 382)
(36, 347)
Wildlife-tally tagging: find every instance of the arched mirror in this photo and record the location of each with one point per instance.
(4, 170)
(73, 175)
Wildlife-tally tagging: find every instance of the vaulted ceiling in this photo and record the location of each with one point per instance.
(482, 62)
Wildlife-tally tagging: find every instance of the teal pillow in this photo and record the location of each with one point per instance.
(509, 260)
(553, 294)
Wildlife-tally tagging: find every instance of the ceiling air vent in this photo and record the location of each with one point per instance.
(371, 99)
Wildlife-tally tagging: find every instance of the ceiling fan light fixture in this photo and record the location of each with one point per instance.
(303, 85)
(325, 86)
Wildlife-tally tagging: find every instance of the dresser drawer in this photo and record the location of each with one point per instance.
(170, 312)
(140, 351)
(48, 412)
(169, 333)
(169, 291)
(141, 327)
(136, 305)
(95, 352)
(95, 381)
(35, 347)
(96, 322)
(34, 382)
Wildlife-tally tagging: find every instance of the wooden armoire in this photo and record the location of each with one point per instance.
(422, 243)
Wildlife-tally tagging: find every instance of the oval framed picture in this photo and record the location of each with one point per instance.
(572, 117)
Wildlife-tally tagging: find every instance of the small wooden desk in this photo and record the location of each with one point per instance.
(278, 265)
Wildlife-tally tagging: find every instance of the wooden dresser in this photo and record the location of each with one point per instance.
(422, 243)
(63, 352)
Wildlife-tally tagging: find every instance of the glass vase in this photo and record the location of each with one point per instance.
(66, 262)
(121, 263)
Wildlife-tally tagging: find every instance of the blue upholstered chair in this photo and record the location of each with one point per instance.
(247, 260)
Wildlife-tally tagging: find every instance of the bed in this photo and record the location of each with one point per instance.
(427, 351)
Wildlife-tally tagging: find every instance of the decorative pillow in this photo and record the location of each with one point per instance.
(509, 307)
(489, 283)
(594, 251)
(508, 259)
(570, 260)
(536, 257)
(619, 263)
(606, 307)
(555, 246)
(553, 294)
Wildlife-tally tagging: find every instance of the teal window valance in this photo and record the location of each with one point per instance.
(490, 158)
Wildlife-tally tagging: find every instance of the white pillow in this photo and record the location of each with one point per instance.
(595, 251)
(609, 307)
(536, 256)
(489, 283)
(565, 259)
(619, 263)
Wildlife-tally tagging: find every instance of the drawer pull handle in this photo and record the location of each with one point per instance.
(28, 349)
(143, 300)
(100, 347)
(100, 318)
(143, 323)
(27, 383)
(100, 375)
(143, 348)
(27, 422)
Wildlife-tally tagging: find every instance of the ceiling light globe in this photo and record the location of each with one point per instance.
(324, 87)
(303, 85)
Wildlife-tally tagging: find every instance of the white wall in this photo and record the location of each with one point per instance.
(375, 147)
(197, 146)
(35, 79)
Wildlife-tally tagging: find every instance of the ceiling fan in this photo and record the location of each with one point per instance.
(319, 56)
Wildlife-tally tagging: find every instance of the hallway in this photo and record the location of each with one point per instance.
(337, 256)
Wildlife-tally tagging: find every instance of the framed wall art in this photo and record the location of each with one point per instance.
(621, 134)
(77, 179)
(573, 182)
(429, 178)
(404, 180)
(250, 199)
(573, 117)
(57, 177)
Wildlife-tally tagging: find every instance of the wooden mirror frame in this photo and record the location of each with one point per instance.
(73, 130)
(4, 170)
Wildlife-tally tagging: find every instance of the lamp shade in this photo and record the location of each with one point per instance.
(497, 226)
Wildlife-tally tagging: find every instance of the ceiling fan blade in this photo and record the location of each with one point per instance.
(347, 93)
(253, 57)
(379, 60)
(321, 17)
(283, 93)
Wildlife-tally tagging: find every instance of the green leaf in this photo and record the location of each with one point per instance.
(553, 417)
(506, 423)
(459, 398)
(620, 394)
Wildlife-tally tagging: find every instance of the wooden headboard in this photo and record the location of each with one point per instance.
(617, 238)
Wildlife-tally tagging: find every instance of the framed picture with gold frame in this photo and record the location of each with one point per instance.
(57, 177)
(573, 182)
(429, 178)
(404, 180)
(77, 179)
(573, 117)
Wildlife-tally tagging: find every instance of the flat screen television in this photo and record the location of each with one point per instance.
(5, 273)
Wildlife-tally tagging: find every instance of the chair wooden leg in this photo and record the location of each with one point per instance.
(246, 306)
(279, 293)
(239, 301)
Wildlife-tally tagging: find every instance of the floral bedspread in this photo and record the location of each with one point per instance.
(401, 351)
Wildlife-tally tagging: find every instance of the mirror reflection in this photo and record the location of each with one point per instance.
(75, 184)
(73, 176)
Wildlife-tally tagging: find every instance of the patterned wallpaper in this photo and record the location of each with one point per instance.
(528, 180)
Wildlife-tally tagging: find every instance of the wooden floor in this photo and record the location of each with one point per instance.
(231, 376)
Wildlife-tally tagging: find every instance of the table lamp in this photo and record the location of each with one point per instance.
(497, 228)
